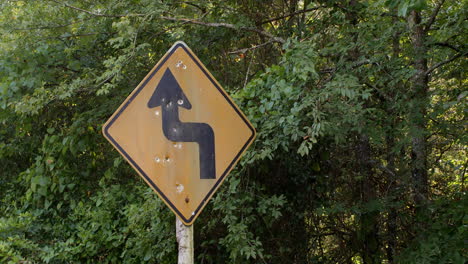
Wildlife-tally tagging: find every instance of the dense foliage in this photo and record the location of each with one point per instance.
(360, 109)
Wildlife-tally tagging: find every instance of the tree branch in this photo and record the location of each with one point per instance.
(203, 9)
(82, 35)
(251, 48)
(445, 44)
(430, 70)
(433, 16)
(291, 14)
(50, 27)
(383, 168)
(93, 13)
(248, 71)
(226, 25)
(187, 20)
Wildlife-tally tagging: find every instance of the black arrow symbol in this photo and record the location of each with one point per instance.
(170, 96)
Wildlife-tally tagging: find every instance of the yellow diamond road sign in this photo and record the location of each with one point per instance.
(181, 132)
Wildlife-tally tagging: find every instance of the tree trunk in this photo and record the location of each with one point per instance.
(392, 214)
(417, 115)
(367, 234)
(368, 223)
(390, 156)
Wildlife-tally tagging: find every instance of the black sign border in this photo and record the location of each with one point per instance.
(129, 159)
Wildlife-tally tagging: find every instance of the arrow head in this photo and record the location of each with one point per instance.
(168, 90)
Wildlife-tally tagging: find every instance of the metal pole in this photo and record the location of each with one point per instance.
(184, 235)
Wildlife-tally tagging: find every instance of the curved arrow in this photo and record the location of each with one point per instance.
(170, 96)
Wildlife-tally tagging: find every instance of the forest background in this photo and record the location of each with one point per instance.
(360, 109)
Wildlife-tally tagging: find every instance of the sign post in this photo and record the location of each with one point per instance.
(184, 235)
(182, 133)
